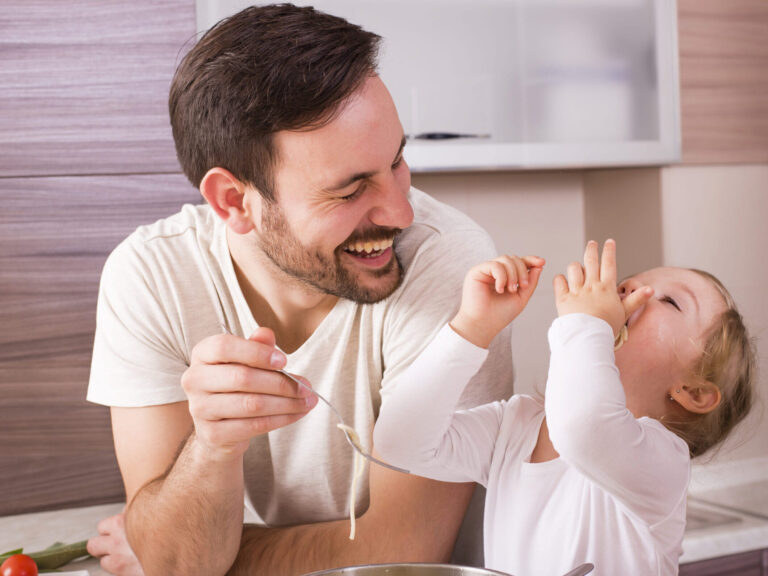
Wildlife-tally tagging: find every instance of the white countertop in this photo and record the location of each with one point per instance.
(37, 531)
(728, 514)
(727, 509)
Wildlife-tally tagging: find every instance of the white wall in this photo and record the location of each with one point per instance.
(716, 218)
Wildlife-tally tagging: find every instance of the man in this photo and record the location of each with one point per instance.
(318, 257)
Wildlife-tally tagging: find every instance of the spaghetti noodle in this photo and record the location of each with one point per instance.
(359, 467)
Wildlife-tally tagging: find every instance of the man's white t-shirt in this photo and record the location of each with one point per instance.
(616, 495)
(171, 284)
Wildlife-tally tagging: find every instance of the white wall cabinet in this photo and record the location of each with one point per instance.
(532, 83)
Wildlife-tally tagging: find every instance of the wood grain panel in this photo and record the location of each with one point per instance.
(85, 85)
(55, 234)
(724, 80)
(744, 564)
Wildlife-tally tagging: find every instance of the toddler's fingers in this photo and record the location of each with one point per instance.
(521, 270)
(575, 276)
(533, 281)
(500, 274)
(534, 261)
(560, 284)
(636, 300)
(591, 263)
(511, 271)
(531, 264)
(608, 264)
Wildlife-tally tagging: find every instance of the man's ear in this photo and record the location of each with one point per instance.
(698, 397)
(226, 195)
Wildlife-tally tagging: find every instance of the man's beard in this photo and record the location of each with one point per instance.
(323, 272)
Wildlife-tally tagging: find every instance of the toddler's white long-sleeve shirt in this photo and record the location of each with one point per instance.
(616, 495)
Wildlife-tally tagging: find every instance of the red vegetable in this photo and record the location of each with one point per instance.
(18, 565)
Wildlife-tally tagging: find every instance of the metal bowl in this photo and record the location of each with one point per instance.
(408, 569)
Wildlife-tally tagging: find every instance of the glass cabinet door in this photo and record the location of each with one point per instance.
(497, 84)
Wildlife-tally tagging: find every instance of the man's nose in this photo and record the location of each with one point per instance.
(392, 210)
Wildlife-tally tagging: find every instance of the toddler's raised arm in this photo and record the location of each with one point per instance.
(494, 293)
(418, 427)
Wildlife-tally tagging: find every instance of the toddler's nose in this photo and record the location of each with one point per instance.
(626, 289)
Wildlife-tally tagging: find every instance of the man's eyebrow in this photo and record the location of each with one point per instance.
(362, 175)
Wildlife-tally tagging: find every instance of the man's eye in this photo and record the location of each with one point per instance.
(670, 300)
(397, 162)
(355, 194)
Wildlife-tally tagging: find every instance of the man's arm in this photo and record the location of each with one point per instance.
(185, 513)
(410, 519)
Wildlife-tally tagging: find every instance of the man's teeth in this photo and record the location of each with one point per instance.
(368, 247)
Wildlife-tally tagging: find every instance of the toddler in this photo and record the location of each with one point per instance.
(597, 472)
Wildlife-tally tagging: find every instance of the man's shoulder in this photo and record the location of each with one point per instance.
(439, 217)
(169, 243)
(191, 217)
(193, 225)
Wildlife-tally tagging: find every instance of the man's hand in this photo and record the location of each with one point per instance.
(494, 293)
(111, 545)
(591, 289)
(235, 393)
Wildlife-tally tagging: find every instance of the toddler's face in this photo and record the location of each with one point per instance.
(665, 335)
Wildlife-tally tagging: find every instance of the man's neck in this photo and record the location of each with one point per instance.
(278, 301)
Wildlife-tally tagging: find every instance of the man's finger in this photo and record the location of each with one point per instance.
(223, 378)
(99, 545)
(230, 349)
(240, 405)
(243, 429)
(263, 335)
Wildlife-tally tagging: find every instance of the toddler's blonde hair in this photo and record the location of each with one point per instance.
(728, 361)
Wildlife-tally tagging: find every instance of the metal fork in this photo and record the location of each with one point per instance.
(344, 427)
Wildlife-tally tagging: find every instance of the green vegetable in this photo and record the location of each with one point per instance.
(54, 556)
(59, 554)
(5, 555)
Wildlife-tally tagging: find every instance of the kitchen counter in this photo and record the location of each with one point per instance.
(727, 514)
(39, 530)
(727, 510)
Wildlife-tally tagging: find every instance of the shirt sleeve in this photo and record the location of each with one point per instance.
(639, 461)
(420, 430)
(136, 361)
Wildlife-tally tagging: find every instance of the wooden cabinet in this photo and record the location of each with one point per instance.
(85, 85)
(753, 563)
(86, 155)
(723, 81)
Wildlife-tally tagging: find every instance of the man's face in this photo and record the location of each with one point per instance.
(341, 198)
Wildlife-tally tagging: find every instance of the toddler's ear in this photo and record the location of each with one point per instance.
(698, 397)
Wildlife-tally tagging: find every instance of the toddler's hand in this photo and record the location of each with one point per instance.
(494, 293)
(592, 289)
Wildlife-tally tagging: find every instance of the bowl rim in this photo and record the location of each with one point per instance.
(330, 571)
